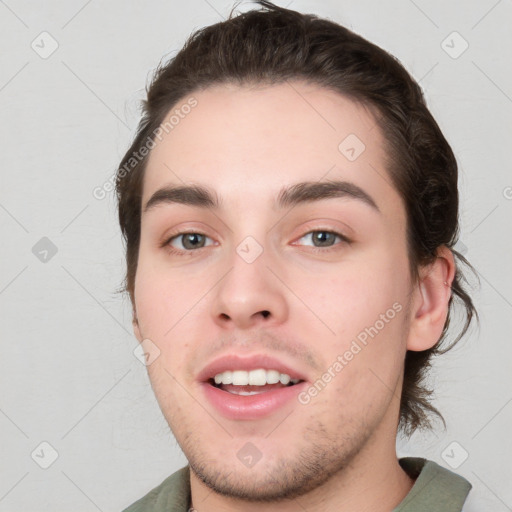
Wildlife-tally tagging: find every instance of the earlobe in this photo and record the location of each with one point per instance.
(431, 302)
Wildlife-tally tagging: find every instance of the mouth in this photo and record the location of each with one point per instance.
(250, 388)
(253, 382)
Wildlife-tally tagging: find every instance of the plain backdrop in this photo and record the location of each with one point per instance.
(68, 375)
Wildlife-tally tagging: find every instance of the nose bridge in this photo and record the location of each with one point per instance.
(249, 293)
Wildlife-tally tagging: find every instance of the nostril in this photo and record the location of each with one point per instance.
(265, 313)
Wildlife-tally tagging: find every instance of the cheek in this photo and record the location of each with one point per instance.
(168, 305)
(151, 299)
(162, 297)
(363, 368)
(364, 308)
(351, 299)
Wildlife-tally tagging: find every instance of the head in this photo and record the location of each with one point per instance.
(298, 128)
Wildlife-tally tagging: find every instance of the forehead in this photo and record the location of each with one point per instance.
(251, 141)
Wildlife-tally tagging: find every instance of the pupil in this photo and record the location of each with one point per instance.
(323, 238)
(193, 240)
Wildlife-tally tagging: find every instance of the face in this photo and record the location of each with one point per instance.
(273, 261)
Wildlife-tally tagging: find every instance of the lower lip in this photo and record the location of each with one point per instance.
(250, 407)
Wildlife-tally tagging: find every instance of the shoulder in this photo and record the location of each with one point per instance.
(172, 494)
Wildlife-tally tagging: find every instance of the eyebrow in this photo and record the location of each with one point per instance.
(192, 195)
(304, 192)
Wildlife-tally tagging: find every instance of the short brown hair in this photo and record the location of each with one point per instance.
(272, 45)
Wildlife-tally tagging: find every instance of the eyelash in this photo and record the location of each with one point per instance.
(190, 252)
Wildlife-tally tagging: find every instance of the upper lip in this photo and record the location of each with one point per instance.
(247, 363)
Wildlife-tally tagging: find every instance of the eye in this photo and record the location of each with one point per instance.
(321, 238)
(189, 241)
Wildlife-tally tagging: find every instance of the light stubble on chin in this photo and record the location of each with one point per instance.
(308, 467)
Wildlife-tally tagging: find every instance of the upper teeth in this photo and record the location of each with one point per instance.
(259, 377)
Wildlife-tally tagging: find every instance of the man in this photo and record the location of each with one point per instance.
(290, 209)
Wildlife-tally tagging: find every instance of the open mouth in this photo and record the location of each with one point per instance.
(252, 394)
(250, 387)
(253, 382)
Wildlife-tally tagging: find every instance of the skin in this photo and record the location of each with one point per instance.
(336, 452)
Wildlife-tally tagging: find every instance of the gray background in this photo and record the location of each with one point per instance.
(68, 375)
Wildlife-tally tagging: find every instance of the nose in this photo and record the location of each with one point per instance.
(250, 295)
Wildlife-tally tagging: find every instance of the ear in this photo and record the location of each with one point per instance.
(430, 301)
(136, 328)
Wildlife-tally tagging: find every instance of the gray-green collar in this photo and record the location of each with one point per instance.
(436, 489)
